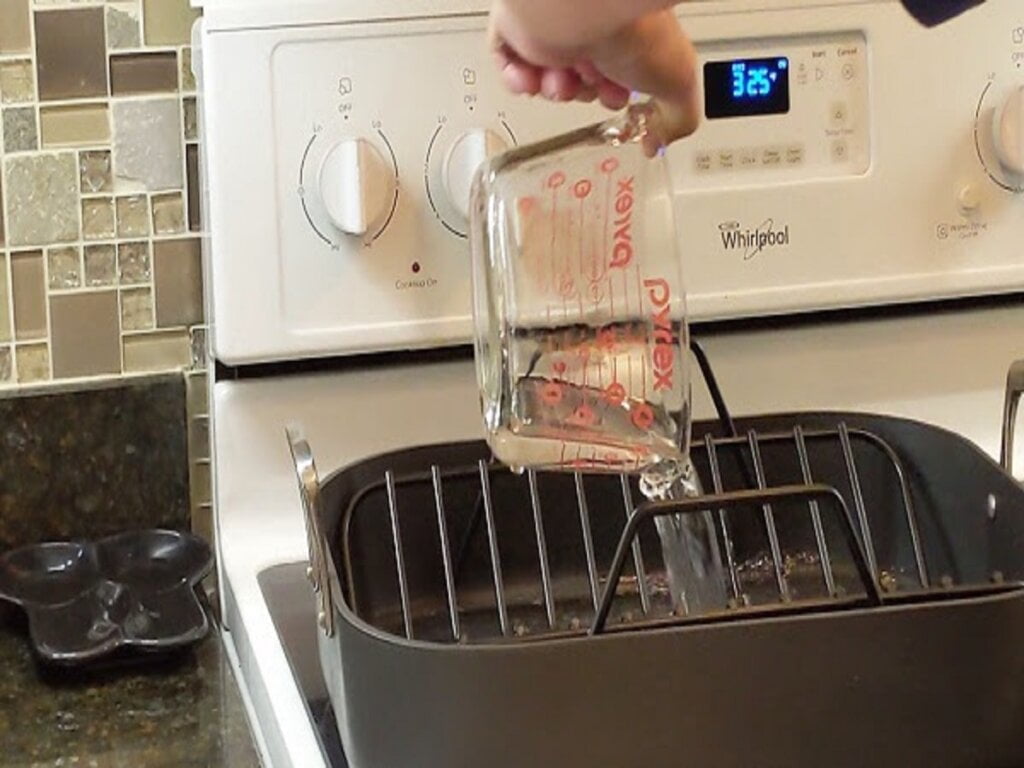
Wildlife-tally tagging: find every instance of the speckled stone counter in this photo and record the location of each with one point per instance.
(97, 460)
(179, 713)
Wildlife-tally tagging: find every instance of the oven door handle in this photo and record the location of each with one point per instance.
(1014, 391)
(309, 492)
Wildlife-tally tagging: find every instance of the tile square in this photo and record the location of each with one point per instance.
(188, 79)
(71, 54)
(33, 363)
(17, 81)
(149, 72)
(100, 265)
(75, 126)
(28, 291)
(162, 351)
(132, 216)
(6, 365)
(168, 23)
(20, 131)
(95, 171)
(42, 199)
(97, 218)
(191, 118)
(64, 267)
(5, 298)
(192, 173)
(133, 264)
(123, 29)
(178, 282)
(15, 27)
(147, 143)
(85, 334)
(168, 214)
(136, 309)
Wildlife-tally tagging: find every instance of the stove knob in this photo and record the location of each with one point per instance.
(464, 156)
(1008, 128)
(356, 186)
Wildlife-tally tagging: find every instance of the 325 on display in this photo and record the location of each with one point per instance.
(746, 87)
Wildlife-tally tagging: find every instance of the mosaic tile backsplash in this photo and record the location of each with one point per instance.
(100, 274)
(100, 270)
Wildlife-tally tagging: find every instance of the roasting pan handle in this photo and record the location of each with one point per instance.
(1014, 391)
(734, 500)
(309, 491)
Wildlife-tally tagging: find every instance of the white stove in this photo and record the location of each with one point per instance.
(337, 136)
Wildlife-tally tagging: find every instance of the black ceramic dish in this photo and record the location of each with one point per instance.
(86, 600)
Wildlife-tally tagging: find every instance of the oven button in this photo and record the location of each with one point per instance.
(968, 199)
(466, 154)
(840, 151)
(357, 186)
(838, 113)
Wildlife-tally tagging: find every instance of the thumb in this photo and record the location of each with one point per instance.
(653, 55)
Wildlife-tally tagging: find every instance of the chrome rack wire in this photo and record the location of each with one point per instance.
(816, 497)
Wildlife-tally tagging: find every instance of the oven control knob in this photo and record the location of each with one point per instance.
(464, 157)
(356, 185)
(1008, 128)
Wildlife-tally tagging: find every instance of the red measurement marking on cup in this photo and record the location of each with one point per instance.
(559, 367)
(554, 181)
(583, 416)
(647, 341)
(551, 393)
(642, 415)
(566, 286)
(609, 164)
(615, 394)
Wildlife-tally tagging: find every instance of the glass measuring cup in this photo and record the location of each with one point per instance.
(580, 317)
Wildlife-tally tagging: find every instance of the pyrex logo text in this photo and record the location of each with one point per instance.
(663, 355)
(622, 250)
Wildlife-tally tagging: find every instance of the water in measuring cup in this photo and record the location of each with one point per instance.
(571, 408)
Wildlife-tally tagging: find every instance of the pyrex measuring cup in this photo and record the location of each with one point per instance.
(581, 334)
(580, 312)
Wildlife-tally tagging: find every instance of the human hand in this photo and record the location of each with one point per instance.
(598, 50)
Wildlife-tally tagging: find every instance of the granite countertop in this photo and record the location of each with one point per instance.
(181, 712)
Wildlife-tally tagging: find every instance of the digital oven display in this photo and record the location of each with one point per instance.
(746, 87)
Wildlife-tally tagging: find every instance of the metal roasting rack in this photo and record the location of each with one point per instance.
(863, 554)
(745, 500)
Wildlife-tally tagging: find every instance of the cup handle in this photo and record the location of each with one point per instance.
(667, 122)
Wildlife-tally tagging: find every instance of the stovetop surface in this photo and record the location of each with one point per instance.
(289, 600)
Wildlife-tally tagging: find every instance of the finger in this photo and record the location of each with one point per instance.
(587, 93)
(520, 77)
(517, 75)
(612, 95)
(654, 55)
(588, 73)
(559, 84)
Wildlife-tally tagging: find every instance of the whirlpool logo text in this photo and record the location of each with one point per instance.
(754, 241)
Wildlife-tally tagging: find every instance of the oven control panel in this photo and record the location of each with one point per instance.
(847, 157)
(781, 109)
